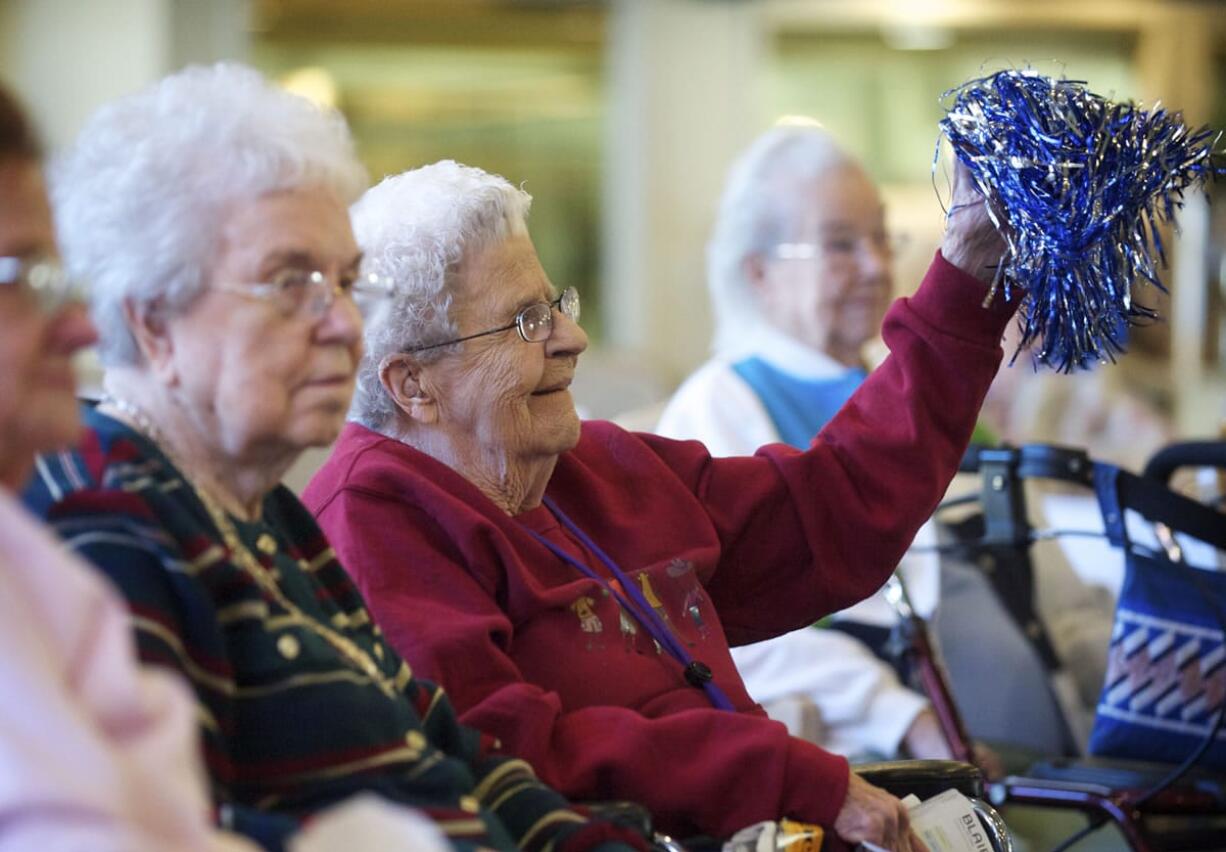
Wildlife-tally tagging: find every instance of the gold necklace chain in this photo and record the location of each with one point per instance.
(247, 560)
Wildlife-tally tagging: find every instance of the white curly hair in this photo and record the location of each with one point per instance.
(757, 211)
(416, 228)
(140, 198)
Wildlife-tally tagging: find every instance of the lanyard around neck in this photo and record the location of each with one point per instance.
(697, 673)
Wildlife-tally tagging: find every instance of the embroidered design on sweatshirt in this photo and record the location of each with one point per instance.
(681, 574)
(589, 621)
(650, 594)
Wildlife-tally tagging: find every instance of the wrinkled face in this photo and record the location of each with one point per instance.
(38, 410)
(501, 397)
(827, 283)
(258, 380)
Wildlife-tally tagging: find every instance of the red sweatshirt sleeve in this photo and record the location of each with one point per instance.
(851, 504)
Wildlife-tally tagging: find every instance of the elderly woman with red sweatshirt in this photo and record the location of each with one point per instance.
(578, 586)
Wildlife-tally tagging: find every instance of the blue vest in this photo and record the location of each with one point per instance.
(798, 407)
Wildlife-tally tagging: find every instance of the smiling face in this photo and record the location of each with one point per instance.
(38, 410)
(255, 380)
(828, 284)
(501, 398)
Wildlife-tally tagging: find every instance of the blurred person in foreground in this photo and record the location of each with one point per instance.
(209, 213)
(578, 586)
(799, 269)
(96, 751)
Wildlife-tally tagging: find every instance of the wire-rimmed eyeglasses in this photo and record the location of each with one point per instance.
(310, 293)
(534, 323)
(45, 279)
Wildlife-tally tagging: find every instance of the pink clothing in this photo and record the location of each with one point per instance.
(728, 551)
(96, 752)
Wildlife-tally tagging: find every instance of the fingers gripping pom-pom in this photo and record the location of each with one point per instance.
(1078, 185)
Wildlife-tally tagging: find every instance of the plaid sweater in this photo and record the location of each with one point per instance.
(289, 725)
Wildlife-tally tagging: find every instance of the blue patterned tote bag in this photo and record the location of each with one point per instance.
(1166, 669)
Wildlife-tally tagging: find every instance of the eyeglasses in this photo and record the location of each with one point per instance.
(534, 323)
(840, 247)
(45, 278)
(310, 293)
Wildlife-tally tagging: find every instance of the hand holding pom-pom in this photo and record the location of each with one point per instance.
(1082, 183)
(972, 242)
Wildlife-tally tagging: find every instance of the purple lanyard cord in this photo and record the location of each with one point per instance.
(697, 673)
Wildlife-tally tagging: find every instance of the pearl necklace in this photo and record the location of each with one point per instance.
(246, 560)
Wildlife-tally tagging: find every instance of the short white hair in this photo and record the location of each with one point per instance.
(416, 228)
(140, 198)
(757, 210)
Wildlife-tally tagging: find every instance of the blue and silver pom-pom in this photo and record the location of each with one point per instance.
(1077, 184)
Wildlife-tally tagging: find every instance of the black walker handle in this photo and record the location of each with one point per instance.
(1185, 454)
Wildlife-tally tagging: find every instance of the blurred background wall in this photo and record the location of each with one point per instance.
(621, 117)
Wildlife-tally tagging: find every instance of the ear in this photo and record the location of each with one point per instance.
(151, 331)
(401, 376)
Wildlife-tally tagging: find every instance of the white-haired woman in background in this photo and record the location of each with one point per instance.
(578, 586)
(210, 213)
